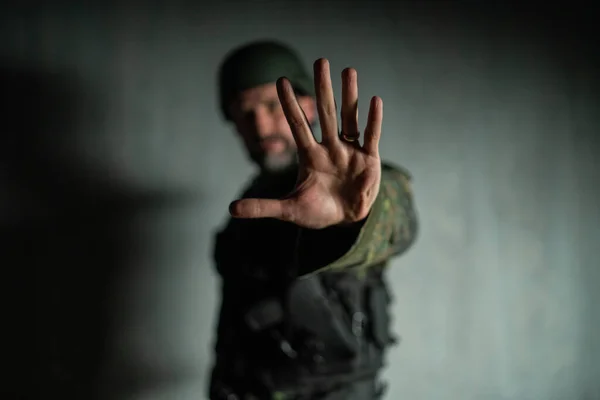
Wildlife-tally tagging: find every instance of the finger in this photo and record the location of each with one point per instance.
(262, 208)
(350, 102)
(373, 129)
(294, 114)
(325, 101)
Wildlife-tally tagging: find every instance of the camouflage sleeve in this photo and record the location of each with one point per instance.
(389, 230)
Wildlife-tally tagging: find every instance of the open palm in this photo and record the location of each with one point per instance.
(338, 179)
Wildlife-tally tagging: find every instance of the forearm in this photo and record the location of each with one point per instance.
(319, 248)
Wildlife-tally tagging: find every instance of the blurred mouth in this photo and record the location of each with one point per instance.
(274, 145)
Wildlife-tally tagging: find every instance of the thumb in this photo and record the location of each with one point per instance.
(262, 208)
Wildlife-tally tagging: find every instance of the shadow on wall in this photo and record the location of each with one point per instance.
(66, 234)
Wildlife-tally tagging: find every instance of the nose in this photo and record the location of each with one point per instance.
(263, 122)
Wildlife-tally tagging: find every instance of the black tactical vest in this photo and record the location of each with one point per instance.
(283, 333)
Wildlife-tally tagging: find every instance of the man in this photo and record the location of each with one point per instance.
(304, 312)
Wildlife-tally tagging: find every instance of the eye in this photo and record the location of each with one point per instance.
(273, 106)
(248, 115)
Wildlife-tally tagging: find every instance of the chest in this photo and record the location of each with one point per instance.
(256, 251)
(260, 250)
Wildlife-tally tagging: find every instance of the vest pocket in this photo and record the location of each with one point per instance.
(378, 302)
(324, 313)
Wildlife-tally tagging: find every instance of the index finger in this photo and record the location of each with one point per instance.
(294, 114)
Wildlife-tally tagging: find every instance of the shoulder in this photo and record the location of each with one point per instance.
(225, 228)
(395, 172)
(251, 187)
(396, 180)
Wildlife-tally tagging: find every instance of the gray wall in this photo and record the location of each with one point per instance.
(496, 300)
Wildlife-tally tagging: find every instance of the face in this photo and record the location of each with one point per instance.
(262, 126)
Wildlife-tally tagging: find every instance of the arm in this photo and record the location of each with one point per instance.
(389, 230)
(344, 198)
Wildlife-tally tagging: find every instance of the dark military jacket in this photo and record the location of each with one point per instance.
(264, 259)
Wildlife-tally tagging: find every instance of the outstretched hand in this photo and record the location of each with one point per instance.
(338, 179)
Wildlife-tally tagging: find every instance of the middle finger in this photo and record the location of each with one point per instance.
(350, 102)
(325, 101)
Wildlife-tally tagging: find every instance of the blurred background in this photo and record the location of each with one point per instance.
(116, 169)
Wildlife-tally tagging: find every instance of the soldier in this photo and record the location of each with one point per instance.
(304, 311)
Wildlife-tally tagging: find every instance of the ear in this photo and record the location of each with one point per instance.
(309, 106)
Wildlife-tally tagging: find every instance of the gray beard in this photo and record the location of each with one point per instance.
(276, 163)
(279, 162)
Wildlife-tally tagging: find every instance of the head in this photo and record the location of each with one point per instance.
(250, 102)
